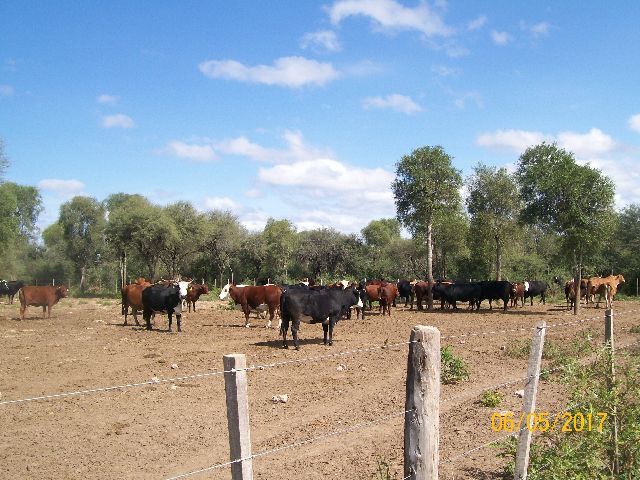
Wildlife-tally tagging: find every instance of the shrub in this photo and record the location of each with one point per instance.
(383, 472)
(490, 398)
(453, 369)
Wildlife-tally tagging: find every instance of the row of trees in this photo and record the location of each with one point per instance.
(548, 216)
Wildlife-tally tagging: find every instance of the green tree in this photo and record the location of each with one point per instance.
(449, 243)
(380, 233)
(323, 252)
(183, 242)
(279, 237)
(426, 188)
(222, 239)
(575, 201)
(494, 205)
(83, 223)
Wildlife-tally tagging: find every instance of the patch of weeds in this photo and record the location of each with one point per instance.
(635, 329)
(490, 398)
(453, 369)
(82, 301)
(383, 472)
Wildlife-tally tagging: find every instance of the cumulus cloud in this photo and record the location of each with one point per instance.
(322, 40)
(501, 38)
(61, 187)
(117, 121)
(6, 90)
(391, 16)
(222, 203)
(296, 149)
(634, 122)
(198, 153)
(397, 102)
(536, 30)
(106, 99)
(292, 72)
(584, 145)
(477, 23)
(511, 140)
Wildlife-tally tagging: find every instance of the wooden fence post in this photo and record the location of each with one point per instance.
(529, 401)
(422, 405)
(235, 385)
(608, 343)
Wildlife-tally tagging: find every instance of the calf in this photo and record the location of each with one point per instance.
(517, 293)
(193, 294)
(10, 288)
(254, 297)
(43, 296)
(324, 306)
(164, 298)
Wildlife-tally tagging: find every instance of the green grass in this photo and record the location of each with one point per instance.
(453, 369)
(490, 398)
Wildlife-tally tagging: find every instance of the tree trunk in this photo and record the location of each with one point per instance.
(498, 259)
(83, 269)
(576, 304)
(430, 264)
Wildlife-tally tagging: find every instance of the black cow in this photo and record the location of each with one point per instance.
(459, 292)
(405, 290)
(324, 306)
(495, 290)
(163, 298)
(10, 288)
(533, 288)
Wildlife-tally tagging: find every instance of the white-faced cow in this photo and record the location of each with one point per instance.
(164, 298)
(254, 298)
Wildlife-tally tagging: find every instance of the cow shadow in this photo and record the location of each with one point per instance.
(301, 342)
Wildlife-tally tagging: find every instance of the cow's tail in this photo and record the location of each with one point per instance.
(125, 305)
(284, 319)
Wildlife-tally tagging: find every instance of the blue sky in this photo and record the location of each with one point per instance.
(300, 109)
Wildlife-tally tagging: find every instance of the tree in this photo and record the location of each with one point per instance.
(494, 205)
(426, 188)
(184, 239)
(322, 251)
(380, 233)
(83, 223)
(279, 237)
(575, 201)
(222, 238)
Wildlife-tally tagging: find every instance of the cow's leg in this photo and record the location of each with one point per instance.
(246, 310)
(294, 333)
(135, 317)
(284, 326)
(23, 309)
(44, 310)
(325, 330)
(332, 322)
(146, 315)
(170, 319)
(178, 321)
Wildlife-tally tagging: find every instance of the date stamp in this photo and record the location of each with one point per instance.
(548, 422)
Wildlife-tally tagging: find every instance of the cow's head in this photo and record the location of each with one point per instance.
(224, 293)
(62, 291)
(204, 289)
(183, 287)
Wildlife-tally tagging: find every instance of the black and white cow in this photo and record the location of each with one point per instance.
(533, 288)
(10, 288)
(326, 306)
(164, 298)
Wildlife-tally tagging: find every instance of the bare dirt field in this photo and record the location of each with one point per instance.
(175, 427)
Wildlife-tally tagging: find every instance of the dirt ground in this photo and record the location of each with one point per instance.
(175, 427)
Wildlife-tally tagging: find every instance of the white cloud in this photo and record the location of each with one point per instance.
(634, 122)
(477, 23)
(106, 99)
(61, 187)
(222, 203)
(501, 38)
(594, 142)
(322, 40)
(286, 72)
(512, 140)
(397, 102)
(119, 120)
(390, 16)
(539, 29)
(199, 153)
(6, 90)
(296, 149)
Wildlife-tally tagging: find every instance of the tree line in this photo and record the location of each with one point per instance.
(548, 217)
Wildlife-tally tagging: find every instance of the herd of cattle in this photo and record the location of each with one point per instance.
(318, 304)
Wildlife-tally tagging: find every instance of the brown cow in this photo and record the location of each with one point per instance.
(43, 296)
(132, 297)
(194, 292)
(388, 294)
(517, 293)
(612, 282)
(372, 294)
(253, 297)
